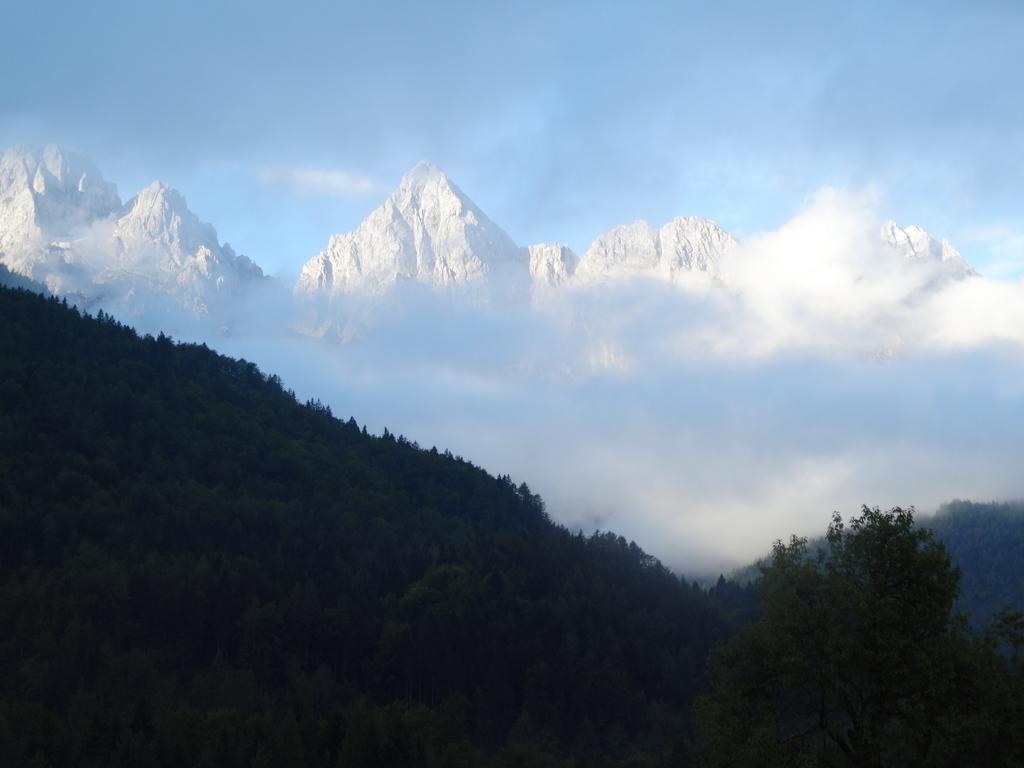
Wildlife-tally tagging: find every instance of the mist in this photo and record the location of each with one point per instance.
(703, 465)
(701, 421)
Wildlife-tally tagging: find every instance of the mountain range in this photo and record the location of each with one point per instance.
(63, 225)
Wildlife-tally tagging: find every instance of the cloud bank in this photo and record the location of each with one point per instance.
(702, 421)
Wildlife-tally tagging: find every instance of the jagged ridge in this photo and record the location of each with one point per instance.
(62, 224)
(427, 231)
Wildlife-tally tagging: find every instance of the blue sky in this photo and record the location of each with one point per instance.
(729, 423)
(285, 122)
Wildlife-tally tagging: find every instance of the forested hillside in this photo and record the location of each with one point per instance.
(987, 542)
(859, 658)
(195, 569)
(10, 279)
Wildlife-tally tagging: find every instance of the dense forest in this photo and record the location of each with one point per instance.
(987, 542)
(198, 570)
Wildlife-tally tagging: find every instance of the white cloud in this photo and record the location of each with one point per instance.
(975, 312)
(319, 182)
(702, 423)
(824, 283)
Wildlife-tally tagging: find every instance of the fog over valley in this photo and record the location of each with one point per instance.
(700, 393)
(512, 385)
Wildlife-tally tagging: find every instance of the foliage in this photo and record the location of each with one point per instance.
(986, 541)
(858, 659)
(195, 569)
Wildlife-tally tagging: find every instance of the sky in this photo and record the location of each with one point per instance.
(283, 123)
(830, 376)
(702, 420)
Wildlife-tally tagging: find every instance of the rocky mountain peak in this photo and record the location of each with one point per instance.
(49, 191)
(428, 231)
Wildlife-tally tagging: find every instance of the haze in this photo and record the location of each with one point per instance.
(713, 425)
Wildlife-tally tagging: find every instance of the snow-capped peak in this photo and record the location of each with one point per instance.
(420, 174)
(49, 191)
(682, 248)
(56, 171)
(427, 231)
(160, 214)
(157, 235)
(425, 193)
(916, 244)
(62, 225)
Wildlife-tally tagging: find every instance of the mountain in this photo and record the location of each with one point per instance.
(62, 225)
(684, 247)
(153, 260)
(916, 245)
(49, 194)
(986, 541)
(552, 265)
(428, 231)
(196, 569)
(158, 239)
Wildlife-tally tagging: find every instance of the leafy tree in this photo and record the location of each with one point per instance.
(858, 659)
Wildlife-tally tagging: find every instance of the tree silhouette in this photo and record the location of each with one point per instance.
(857, 659)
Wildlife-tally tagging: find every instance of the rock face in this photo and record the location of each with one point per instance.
(62, 225)
(159, 237)
(427, 231)
(551, 266)
(49, 194)
(684, 247)
(915, 244)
